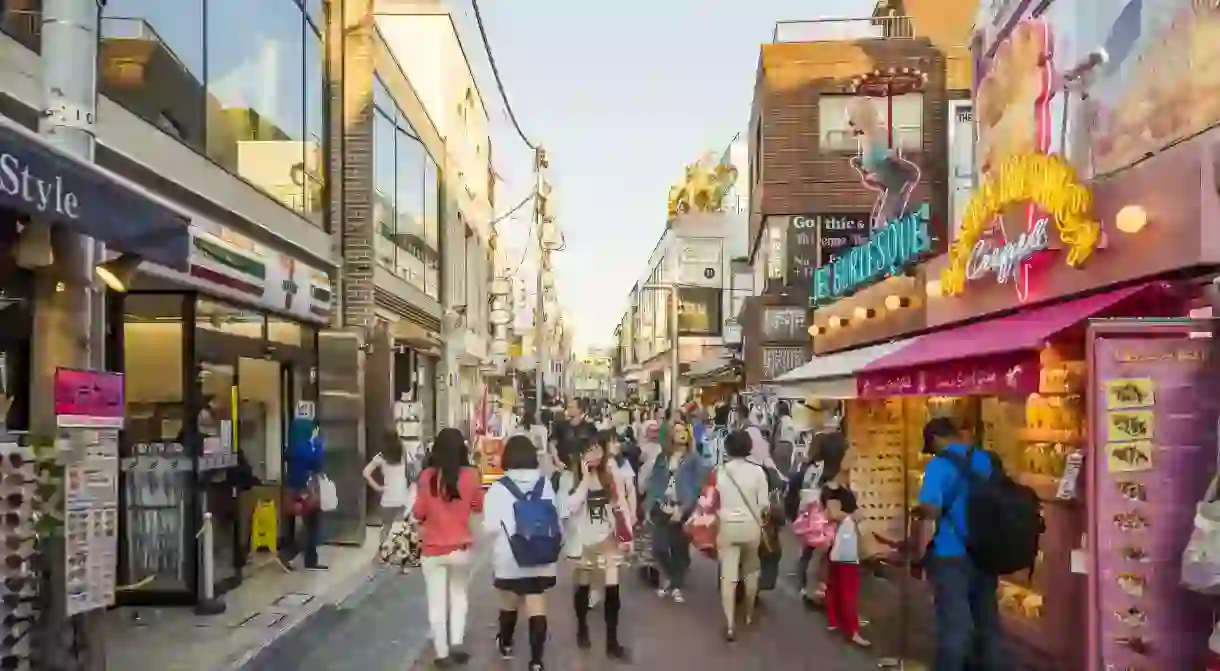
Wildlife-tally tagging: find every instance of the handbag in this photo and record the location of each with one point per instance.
(298, 502)
(846, 546)
(814, 527)
(404, 545)
(623, 532)
(702, 528)
(328, 495)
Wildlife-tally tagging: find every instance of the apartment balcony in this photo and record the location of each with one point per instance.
(843, 29)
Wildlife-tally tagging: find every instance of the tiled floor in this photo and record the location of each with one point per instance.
(266, 605)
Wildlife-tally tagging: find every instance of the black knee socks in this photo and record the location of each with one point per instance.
(537, 625)
(613, 605)
(580, 603)
(508, 626)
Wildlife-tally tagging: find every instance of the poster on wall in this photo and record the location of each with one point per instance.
(1155, 434)
(89, 412)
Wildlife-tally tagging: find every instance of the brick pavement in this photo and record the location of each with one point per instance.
(669, 636)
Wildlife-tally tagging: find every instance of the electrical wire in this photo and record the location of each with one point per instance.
(478, 18)
(513, 211)
(525, 250)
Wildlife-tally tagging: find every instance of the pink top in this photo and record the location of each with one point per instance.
(445, 525)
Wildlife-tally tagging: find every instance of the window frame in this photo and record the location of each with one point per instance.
(839, 138)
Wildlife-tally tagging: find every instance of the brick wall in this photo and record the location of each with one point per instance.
(352, 156)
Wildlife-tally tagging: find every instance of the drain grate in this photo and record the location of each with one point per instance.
(262, 620)
(293, 600)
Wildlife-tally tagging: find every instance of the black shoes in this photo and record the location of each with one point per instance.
(582, 639)
(504, 648)
(616, 651)
(455, 658)
(459, 656)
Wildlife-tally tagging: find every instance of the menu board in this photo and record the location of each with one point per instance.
(89, 414)
(1155, 446)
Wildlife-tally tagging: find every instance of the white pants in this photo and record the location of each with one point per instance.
(447, 578)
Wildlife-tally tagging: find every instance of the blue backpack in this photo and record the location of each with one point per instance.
(538, 538)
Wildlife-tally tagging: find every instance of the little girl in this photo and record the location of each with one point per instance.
(393, 487)
(842, 570)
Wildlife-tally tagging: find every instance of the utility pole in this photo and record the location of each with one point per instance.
(68, 325)
(541, 339)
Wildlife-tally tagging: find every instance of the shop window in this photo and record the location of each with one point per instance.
(224, 318)
(257, 96)
(151, 61)
(284, 331)
(156, 484)
(22, 19)
(835, 134)
(699, 311)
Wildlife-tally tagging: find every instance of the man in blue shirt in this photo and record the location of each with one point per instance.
(967, 612)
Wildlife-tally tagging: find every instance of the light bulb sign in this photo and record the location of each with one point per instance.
(889, 249)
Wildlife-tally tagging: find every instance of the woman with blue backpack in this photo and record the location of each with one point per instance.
(521, 514)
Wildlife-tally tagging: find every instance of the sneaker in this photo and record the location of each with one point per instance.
(317, 567)
(459, 656)
(861, 641)
(616, 651)
(537, 666)
(677, 596)
(443, 663)
(505, 649)
(663, 593)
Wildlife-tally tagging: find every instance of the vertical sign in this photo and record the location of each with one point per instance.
(89, 411)
(961, 160)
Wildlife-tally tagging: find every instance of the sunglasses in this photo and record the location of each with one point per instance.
(14, 459)
(1131, 583)
(1132, 553)
(16, 600)
(1130, 521)
(1132, 617)
(19, 542)
(14, 500)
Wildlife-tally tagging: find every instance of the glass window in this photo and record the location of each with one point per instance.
(150, 60)
(432, 228)
(23, 20)
(835, 134)
(383, 187)
(313, 174)
(409, 206)
(256, 94)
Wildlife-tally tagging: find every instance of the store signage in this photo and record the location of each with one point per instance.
(987, 376)
(894, 246)
(1004, 261)
(38, 180)
(88, 398)
(780, 360)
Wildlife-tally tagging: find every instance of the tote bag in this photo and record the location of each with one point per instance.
(1201, 558)
(846, 547)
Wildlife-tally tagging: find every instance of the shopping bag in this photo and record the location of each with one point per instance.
(703, 527)
(1201, 558)
(328, 496)
(813, 526)
(846, 546)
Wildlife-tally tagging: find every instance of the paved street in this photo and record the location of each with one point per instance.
(383, 627)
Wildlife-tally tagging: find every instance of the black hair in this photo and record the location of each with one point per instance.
(520, 453)
(938, 427)
(782, 409)
(449, 456)
(391, 447)
(832, 450)
(738, 444)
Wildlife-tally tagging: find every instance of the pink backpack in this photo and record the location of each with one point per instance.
(813, 526)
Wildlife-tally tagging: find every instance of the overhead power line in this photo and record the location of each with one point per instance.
(478, 18)
(512, 211)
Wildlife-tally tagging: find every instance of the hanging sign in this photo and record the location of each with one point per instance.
(890, 248)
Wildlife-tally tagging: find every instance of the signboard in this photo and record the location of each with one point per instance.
(891, 248)
(780, 360)
(89, 413)
(699, 261)
(785, 324)
(987, 376)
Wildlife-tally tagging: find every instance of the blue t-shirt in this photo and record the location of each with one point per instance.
(944, 484)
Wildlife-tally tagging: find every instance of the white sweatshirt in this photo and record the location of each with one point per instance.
(499, 522)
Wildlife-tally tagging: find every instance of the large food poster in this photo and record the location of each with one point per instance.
(1154, 436)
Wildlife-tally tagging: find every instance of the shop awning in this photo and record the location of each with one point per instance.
(992, 356)
(832, 375)
(47, 184)
(714, 362)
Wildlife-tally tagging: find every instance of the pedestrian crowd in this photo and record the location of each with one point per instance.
(641, 489)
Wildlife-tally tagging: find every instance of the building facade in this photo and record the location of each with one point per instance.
(810, 194)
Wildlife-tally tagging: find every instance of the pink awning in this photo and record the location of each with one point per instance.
(1025, 330)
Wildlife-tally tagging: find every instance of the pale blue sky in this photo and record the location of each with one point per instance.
(623, 95)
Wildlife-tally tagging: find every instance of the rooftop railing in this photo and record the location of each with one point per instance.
(843, 30)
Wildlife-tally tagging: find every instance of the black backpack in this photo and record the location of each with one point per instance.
(1004, 521)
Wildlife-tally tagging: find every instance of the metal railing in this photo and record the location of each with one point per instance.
(135, 28)
(840, 30)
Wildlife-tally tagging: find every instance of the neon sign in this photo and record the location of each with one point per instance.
(894, 246)
(1005, 260)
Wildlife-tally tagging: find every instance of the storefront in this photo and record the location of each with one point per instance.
(1056, 332)
(218, 361)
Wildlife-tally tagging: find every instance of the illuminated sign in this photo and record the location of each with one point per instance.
(892, 247)
(1005, 260)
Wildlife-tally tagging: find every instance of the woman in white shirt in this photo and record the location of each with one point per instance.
(393, 487)
(741, 486)
(593, 508)
(785, 438)
(518, 585)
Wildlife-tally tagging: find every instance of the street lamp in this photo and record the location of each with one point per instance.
(673, 336)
